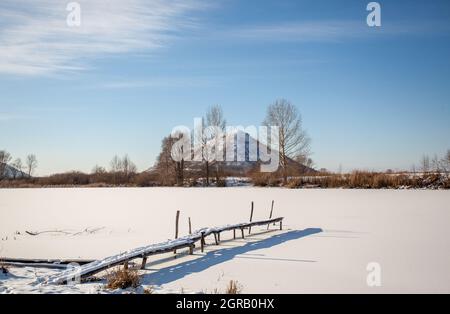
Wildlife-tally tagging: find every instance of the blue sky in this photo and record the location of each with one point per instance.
(371, 98)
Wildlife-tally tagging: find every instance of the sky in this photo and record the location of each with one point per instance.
(371, 98)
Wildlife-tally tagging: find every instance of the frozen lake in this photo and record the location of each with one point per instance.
(329, 236)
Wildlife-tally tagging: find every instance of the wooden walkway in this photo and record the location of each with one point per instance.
(189, 241)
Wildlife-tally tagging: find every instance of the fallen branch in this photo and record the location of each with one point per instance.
(48, 231)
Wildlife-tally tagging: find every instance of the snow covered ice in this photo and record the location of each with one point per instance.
(329, 237)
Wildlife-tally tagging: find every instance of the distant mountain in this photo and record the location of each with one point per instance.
(242, 167)
(10, 172)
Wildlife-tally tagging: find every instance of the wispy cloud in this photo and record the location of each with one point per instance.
(300, 31)
(13, 117)
(191, 82)
(35, 39)
(333, 30)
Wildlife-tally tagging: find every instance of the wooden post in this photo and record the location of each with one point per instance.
(218, 237)
(202, 241)
(191, 249)
(281, 225)
(177, 219)
(144, 262)
(242, 232)
(270, 216)
(125, 265)
(215, 239)
(234, 234)
(190, 226)
(251, 218)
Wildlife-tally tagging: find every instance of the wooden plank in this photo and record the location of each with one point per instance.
(63, 262)
(202, 241)
(177, 219)
(251, 218)
(144, 262)
(215, 239)
(36, 265)
(270, 216)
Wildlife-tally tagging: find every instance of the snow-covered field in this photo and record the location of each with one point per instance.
(329, 237)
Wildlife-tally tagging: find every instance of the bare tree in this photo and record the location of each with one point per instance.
(215, 117)
(212, 124)
(293, 140)
(5, 158)
(99, 174)
(436, 164)
(425, 163)
(115, 168)
(216, 122)
(98, 170)
(178, 153)
(17, 164)
(115, 164)
(128, 167)
(165, 165)
(31, 164)
(445, 162)
(413, 169)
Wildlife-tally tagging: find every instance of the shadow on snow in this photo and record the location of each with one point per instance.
(212, 258)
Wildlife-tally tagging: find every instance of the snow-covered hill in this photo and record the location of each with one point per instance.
(10, 172)
(249, 156)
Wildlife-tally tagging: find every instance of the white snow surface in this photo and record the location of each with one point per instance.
(328, 240)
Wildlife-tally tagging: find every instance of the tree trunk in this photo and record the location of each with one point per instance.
(207, 173)
(182, 172)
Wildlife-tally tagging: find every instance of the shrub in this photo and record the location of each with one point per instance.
(234, 287)
(145, 179)
(265, 179)
(122, 279)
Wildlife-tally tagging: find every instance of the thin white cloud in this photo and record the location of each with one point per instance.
(35, 38)
(333, 30)
(191, 82)
(301, 31)
(13, 117)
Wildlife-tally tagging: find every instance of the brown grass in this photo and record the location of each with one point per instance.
(122, 279)
(265, 179)
(371, 180)
(234, 287)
